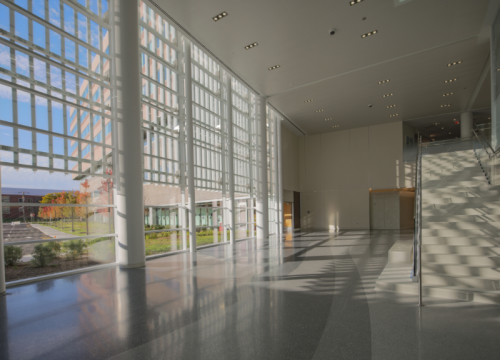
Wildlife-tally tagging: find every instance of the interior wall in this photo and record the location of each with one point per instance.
(338, 169)
(290, 163)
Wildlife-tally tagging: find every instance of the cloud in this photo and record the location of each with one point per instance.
(5, 57)
(55, 17)
(37, 180)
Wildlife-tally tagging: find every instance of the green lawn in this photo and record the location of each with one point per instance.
(162, 244)
(80, 227)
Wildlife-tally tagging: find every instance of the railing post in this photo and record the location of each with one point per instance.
(420, 222)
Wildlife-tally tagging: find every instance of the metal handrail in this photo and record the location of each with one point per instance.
(476, 131)
(417, 234)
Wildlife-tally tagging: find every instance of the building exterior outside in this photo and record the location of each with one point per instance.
(23, 196)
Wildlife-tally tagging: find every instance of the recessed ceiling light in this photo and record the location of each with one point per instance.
(442, 128)
(391, 106)
(354, 2)
(449, 133)
(273, 67)
(328, 119)
(386, 95)
(446, 105)
(455, 63)
(449, 81)
(309, 100)
(394, 115)
(447, 94)
(335, 126)
(384, 81)
(251, 46)
(220, 16)
(369, 34)
(321, 110)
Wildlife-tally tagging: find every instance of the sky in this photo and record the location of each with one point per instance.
(11, 177)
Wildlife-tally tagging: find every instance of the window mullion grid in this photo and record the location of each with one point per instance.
(153, 31)
(14, 92)
(45, 22)
(31, 95)
(98, 19)
(47, 59)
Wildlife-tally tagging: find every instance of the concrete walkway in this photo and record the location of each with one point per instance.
(53, 233)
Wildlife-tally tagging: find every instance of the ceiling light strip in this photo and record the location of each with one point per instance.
(455, 63)
(220, 16)
(369, 34)
(248, 47)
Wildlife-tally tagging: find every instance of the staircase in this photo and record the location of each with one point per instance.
(460, 229)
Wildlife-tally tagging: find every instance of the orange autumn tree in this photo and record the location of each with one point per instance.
(106, 197)
(83, 198)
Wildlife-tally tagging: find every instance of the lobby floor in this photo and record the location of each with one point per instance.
(309, 297)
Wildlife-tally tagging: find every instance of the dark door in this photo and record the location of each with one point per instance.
(296, 210)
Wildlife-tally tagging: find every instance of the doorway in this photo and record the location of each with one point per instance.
(288, 216)
(296, 210)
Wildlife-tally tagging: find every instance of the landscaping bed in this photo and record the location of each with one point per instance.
(26, 270)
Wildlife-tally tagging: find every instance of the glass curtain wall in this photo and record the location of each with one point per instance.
(56, 135)
(165, 190)
(163, 133)
(273, 121)
(244, 142)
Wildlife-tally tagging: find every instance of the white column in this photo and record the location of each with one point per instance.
(250, 202)
(262, 197)
(190, 147)
(2, 261)
(130, 208)
(215, 222)
(152, 216)
(466, 120)
(276, 124)
(230, 159)
(280, 182)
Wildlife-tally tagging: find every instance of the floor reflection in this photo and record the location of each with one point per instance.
(305, 296)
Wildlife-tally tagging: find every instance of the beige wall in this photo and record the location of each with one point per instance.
(290, 163)
(337, 170)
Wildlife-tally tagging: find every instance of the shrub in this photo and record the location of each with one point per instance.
(43, 254)
(55, 246)
(12, 254)
(74, 248)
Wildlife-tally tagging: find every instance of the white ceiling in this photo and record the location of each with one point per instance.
(415, 42)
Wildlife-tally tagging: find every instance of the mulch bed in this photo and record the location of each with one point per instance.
(26, 270)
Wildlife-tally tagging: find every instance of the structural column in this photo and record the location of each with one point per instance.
(279, 180)
(262, 194)
(230, 157)
(152, 216)
(466, 121)
(276, 175)
(190, 146)
(126, 72)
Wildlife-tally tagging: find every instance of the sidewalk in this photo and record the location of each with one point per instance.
(53, 233)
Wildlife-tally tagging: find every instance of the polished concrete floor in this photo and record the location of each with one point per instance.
(309, 297)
